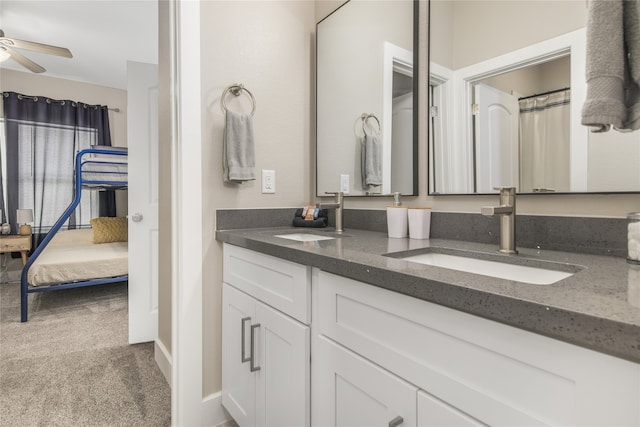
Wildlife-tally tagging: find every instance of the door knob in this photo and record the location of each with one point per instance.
(136, 217)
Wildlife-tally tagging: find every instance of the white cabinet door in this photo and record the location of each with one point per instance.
(266, 363)
(433, 412)
(238, 382)
(351, 391)
(283, 395)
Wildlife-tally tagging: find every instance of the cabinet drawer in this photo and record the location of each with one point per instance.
(496, 373)
(434, 412)
(281, 284)
(349, 390)
(15, 243)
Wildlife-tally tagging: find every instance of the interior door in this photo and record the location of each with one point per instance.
(496, 139)
(402, 153)
(142, 136)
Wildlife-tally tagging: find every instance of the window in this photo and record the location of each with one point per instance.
(46, 180)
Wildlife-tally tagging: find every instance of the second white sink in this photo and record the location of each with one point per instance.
(501, 270)
(304, 237)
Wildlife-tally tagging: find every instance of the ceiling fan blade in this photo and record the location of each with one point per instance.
(23, 60)
(38, 47)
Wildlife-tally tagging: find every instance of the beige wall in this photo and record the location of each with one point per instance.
(29, 83)
(164, 179)
(526, 22)
(267, 46)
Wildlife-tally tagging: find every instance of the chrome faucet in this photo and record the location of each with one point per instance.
(507, 212)
(337, 205)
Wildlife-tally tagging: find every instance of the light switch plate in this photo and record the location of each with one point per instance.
(344, 183)
(268, 181)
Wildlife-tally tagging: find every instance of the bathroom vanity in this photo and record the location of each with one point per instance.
(337, 332)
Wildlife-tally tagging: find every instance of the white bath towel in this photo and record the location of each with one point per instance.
(239, 148)
(371, 161)
(613, 65)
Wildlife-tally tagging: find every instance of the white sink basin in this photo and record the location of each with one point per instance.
(304, 237)
(501, 270)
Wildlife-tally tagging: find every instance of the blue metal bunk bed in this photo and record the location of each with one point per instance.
(97, 168)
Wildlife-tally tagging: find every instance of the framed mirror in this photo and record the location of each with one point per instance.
(367, 99)
(505, 103)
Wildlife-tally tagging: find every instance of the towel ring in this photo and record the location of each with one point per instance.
(366, 117)
(237, 89)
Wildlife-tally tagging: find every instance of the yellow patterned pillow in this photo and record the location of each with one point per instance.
(109, 229)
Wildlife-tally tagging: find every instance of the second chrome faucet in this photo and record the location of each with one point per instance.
(507, 212)
(337, 205)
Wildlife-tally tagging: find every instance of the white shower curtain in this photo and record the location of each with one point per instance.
(544, 142)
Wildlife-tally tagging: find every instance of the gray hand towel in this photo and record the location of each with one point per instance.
(239, 148)
(371, 161)
(632, 41)
(613, 42)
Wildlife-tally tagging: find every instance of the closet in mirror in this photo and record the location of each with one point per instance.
(367, 99)
(506, 89)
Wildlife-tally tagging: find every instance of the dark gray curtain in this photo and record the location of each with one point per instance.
(18, 109)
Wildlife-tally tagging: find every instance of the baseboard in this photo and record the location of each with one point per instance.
(213, 413)
(163, 359)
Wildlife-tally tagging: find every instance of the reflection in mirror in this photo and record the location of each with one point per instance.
(366, 119)
(505, 104)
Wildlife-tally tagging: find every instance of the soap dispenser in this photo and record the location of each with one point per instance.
(397, 222)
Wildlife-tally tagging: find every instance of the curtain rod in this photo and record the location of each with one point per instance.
(61, 101)
(544, 93)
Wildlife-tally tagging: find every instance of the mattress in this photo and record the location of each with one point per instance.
(71, 256)
(100, 173)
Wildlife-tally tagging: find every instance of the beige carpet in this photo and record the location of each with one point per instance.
(70, 364)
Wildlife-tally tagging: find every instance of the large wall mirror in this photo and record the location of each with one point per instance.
(506, 88)
(367, 99)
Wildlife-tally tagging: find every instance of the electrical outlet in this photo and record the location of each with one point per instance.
(344, 183)
(268, 181)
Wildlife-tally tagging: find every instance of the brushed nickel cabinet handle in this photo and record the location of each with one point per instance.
(242, 335)
(252, 367)
(396, 421)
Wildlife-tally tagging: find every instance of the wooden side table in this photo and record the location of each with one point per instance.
(16, 243)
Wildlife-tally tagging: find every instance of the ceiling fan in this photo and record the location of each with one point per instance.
(7, 45)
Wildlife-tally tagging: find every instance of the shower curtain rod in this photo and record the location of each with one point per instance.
(544, 93)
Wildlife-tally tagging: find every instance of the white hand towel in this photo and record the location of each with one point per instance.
(613, 65)
(239, 148)
(371, 161)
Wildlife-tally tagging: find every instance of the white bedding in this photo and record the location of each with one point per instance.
(104, 171)
(72, 256)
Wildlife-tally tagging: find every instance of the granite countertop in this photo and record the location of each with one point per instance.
(598, 307)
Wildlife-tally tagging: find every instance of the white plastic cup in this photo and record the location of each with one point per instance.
(633, 281)
(397, 222)
(419, 223)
